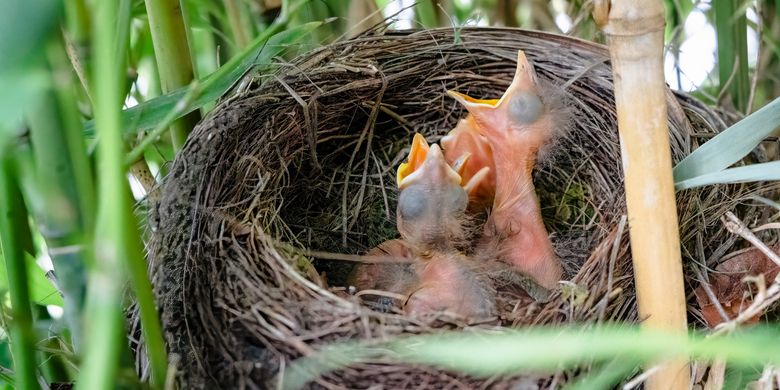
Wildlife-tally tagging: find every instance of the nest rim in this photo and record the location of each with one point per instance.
(199, 237)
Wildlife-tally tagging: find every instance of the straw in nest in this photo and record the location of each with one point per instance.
(305, 161)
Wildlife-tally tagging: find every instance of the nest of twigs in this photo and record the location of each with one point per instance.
(302, 164)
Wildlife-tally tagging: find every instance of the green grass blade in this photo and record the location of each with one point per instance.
(731, 29)
(13, 223)
(731, 145)
(239, 26)
(756, 172)
(147, 115)
(485, 354)
(606, 376)
(104, 321)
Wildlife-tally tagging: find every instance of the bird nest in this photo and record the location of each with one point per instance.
(296, 171)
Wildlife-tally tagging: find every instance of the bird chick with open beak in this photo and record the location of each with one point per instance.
(432, 204)
(431, 213)
(516, 126)
(431, 273)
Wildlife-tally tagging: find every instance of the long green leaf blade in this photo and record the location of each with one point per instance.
(731, 145)
(485, 354)
(756, 172)
(731, 28)
(146, 115)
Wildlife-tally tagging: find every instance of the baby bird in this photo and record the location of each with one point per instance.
(432, 204)
(516, 127)
(387, 276)
(431, 211)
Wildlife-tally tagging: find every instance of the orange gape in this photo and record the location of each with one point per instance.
(516, 126)
(470, 154)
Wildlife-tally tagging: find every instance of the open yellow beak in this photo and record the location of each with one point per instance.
(426, 165)
(488, 113)
(469, 101)
(417, 155)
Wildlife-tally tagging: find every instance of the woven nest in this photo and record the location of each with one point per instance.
(303, 161)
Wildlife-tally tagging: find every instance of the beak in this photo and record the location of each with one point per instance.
(472, 186)
(417, 155)
(434, 171)
(470, 154)
(492, 113)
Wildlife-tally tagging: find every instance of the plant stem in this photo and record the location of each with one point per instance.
(117, 242)
(426, 13)
(13, 221)
(63, 196)
(635, 31)
(174, 61)
(731, 28)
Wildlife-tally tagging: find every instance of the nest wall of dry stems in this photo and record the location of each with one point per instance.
(304, 160)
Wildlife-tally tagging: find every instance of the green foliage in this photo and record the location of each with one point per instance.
(23, 25)
(13, 229)
(733, 72)
(706, 164)
(147, 115)
(42, 292)
(488, 353)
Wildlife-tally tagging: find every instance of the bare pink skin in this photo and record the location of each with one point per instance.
(516, 217)
(396, 278)
(516, 126)
(448, 284)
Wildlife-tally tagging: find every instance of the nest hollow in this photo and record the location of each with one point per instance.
(304, 160)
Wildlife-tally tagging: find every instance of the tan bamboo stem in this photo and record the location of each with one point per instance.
(635, 30)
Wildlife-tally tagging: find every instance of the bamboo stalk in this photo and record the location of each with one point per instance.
(13, 221)
(174, 60)
(64, 193)
(635, 31)
(117, 245)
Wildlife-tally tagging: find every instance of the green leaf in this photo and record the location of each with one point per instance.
(605, 376)
(25, 27)
(146, 115)
(426, 14)
(731, 145)
(484, 354)
(42, 291)
(731, 28)
(750, 173)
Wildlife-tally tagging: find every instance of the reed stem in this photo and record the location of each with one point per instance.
(174, 61)
(636, 31)
(63, 186)
(13, 225)
(117, 241)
